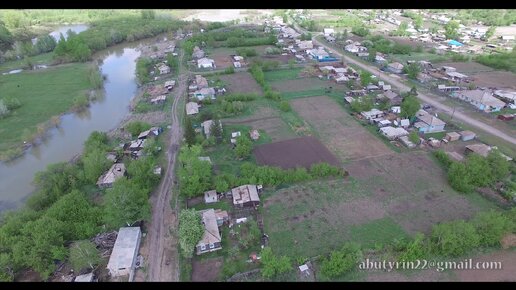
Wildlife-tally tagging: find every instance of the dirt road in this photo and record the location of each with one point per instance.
(427, 98)
(163, 257)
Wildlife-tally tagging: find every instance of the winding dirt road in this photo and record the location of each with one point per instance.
(424, 97)
(163, 257)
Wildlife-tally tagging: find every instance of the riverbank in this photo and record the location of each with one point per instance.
(44, 95)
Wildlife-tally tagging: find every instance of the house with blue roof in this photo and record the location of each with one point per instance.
(454, 43)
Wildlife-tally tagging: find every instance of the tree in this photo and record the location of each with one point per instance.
(84, 254)
(360, 31)
(365, 78)
(6, 38)
(136, 127)
(418, 21)
(345, 34)
(125, 204)
(81, 219)
(45, 43)
(141, 173)
(409, 106)
(341, 261)
(94, 164)
(243, 147)
(216, 130)
(291, 63)
(273, 265)
(491, 226)
(148, 14)
(412, 70)
(4, 111)
(479, 170)
(454, 238)
(372, 55)
(189, 132)
(500, 167)
(459, 178)
(490, 32)
(194, 174)
(173, 62)
(414, 137)
(451, 30)
(284, 106)
(190, 231)
(415, 250)
(220, 184)
(402, 29)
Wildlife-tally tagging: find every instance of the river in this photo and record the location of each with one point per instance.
(118, 65)
(56, 34)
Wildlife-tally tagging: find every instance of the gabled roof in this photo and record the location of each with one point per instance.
(211, 233)
(244, 194)
(428, 119)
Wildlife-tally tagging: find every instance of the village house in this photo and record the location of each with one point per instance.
(237, 64)
(192, 108)
(200, 82)
(197, 53)
(373, 114)
(125, 252)
(210, 196)
(211, 239)
(204, 93)
(152, 132)
(392, 133)
(328, 31)
(507, 96)
(221, 216)
(84, 278)
(448, 89)
(393, 98)
(428, 123)
(164, 69)
(305, 45)
(169, 85)
(452, 136)
(395, 67)
(483, 100)
(246, 195)
(136, 145)
(380, 59)
(480, 149)
(206, 125)
(467, 135)
(204, 63)
(107, 179)
(158, 100)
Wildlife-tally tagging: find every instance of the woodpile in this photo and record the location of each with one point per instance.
(105, 242)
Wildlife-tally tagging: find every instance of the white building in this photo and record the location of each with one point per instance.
(392, 133)
(206, 63)
(192, 108)
(123, 257)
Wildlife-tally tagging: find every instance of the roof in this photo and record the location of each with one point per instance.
(429, 119)
(303, 268)
(393, 132)
(373, 112)
(453, 134)
(207, 127)
(396, 65)
(211, 233)
(205, 60)
(170, 83)
(125, 249)
(201, 81)
(509, 95)
(210, 196)
(116, 171)
(484, 97)
(158, 98)
(340, 70)
(481, 149)
(328, 30)
(221, 214)
(390, 94)
(244, 194)
(192, 108)
(455, 42)
(153, 130)
(204, 158)
(84, 278)
(467, 133)
(405, 122)
(456, 74)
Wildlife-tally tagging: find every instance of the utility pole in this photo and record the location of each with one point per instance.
(453, 113)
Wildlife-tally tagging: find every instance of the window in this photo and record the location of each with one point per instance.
(212, 246)
(203, 247)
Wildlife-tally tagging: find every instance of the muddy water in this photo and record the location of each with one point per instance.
(118, 65)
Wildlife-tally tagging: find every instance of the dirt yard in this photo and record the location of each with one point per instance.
(484, 76)
(303, 84)
(268, 120)
(207, 270)
(241, 82)
(506, 274)
(282, 59)
(297, 152)
(344, 136)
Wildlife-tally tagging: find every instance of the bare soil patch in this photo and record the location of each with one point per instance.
(343, 135)
(207, 270)
(241, 82)
(506, 257)
(298, 152)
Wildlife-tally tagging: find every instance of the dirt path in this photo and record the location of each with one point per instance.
(163, 258)
(427, 98)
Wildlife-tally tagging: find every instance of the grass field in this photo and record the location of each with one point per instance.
(281, 75)
(417, 56)
(45, 58)
(43, 94)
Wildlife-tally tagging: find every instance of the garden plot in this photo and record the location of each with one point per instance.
(241, 82)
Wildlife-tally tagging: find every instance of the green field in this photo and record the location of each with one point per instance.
(417, 56)
(43, 94)
(281, 75)
(45, 58)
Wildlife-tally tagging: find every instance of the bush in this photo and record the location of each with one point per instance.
(414, 137)
(415, 250)
(229, 70)
(246, 52)
(284, 106)
(341, 261)
(136, 127)
(4, 111)
(190, 231)
(491, 226)
(360, 31)
(80, 103)
(272, 51)
(273, 265)
(443, 158)
(454, 238)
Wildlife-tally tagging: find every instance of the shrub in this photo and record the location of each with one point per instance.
(341, 261)
(136, 127)
(443, 158)
(454, 238)
(284, 106)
